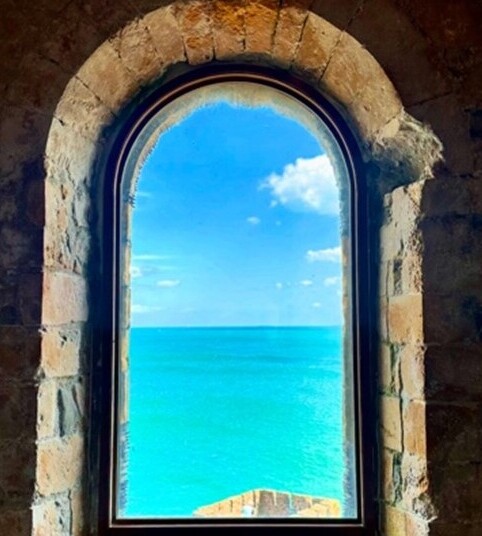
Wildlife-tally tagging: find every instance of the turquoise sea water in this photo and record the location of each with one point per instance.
(214, 412)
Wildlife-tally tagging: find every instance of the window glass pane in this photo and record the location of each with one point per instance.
(235, 333)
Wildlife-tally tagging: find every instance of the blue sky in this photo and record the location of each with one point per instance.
(236, 224)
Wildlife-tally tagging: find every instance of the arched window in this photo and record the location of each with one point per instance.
(239, 315)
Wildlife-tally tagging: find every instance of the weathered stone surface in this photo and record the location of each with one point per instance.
(135, 48)
(65, 298)
(260, 24)
(79, 507)
(356, 80)
(70, 402)
(413, 422)
(292, 17)
(229, 31)
(59, 464)
(412, 369)
(48, 410)
(318, 41)
(82, 110)
(52, 517)
(195, 22)
(391, 423)
(107, 77)
(166, 35)
(405, 319)
(62, 351)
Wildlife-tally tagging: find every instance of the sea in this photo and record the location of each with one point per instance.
(214, 412)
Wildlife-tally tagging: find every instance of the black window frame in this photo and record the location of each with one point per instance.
(105, 384)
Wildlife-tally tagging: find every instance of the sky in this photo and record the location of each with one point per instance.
(236, 224)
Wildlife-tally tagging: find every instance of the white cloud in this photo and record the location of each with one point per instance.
(137, 308)
(328, 254)
(141, 193)
(307, 185)
(279, 286)
(306, 283)
(316, 305)
(135, 272)
(168, 283)
(253, 220)
(332, 281)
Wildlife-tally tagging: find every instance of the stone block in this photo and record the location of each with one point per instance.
(356, 80)
(82, 111)
(413, 483)
(60, 464)
(392, 521)
(391, 425)
(260, 25)
(108, 78)
(389, 369)
(135, 47)
(195, 21)
(65, 298)
(405, 319)
(412, 369)
(229, 31)
(291, 20)
(48, 410)
(78, 508)
(166, 35)
(318, 41)
(62, 350)
(389, 476)
(414, 427)
(52, 517)
(70, 401)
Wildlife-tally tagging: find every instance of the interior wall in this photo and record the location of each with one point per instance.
(69, 68)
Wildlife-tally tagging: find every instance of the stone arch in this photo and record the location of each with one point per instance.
(397, 149)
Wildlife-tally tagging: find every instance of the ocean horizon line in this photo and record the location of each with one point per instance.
(258, 326)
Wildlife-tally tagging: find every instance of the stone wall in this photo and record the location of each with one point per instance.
(391, 67)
